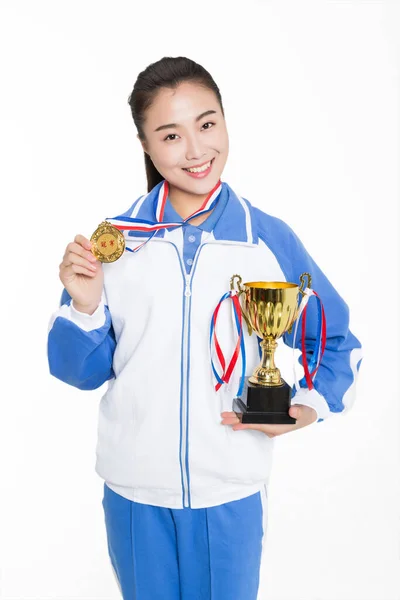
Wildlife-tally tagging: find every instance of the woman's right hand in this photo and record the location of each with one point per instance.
(82, 275)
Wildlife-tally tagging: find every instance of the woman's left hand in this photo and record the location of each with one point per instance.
(304, 415)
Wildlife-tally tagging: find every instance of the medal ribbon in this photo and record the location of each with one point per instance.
(239, 348)
(134, 224)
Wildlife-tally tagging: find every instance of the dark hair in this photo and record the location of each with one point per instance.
(168, 72)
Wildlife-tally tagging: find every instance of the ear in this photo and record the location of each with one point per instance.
(144, 145)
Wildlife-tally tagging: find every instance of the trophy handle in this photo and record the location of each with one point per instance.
(240, 289)
(302, 287)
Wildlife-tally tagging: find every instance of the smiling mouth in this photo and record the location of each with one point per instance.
(203, 167)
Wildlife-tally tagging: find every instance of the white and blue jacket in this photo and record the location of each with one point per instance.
(160, 438)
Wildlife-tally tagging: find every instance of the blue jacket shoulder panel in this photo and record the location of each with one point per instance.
(78, 357)
(342, 357)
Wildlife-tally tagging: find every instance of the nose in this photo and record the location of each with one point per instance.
(194, 148)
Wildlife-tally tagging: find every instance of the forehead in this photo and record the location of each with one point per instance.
(181, 105)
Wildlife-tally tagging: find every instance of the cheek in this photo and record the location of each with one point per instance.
(167, 157)
(220, 141)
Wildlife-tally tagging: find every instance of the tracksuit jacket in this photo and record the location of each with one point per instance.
(160, 438)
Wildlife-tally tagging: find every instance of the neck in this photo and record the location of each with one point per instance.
(185, 204)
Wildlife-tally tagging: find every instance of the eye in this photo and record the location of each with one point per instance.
(170, 134)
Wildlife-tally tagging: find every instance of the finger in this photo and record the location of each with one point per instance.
(295, 412)
(229, 417)
(266, 428)
(230, 420)
(304, 414)
(81, 239)
(74, 259)
(74, 269)
(76, 248)
(256, 427)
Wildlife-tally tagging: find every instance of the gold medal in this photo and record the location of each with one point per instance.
(108, 243)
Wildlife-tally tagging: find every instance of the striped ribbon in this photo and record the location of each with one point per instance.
(134, 224)
(310, 368)
(227, 369)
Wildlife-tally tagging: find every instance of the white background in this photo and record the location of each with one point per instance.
(311, 94)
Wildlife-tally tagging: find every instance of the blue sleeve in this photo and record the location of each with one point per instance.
(80, 357)
(339, 367)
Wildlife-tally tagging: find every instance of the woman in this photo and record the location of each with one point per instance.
(185, 492)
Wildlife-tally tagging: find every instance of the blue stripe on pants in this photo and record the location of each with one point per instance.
(185, 554)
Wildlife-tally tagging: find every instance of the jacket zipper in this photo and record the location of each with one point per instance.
(185, 371)
(185, 474)
(185, 366)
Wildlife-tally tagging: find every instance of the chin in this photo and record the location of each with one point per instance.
(201, 186)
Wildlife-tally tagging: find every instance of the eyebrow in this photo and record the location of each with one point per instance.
(169, 125)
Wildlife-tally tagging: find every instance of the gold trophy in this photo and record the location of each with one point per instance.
(269, 309)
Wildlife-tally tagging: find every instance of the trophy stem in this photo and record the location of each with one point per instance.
(267, 373)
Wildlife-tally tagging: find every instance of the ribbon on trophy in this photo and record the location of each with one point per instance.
(310, 368)
(227, 370)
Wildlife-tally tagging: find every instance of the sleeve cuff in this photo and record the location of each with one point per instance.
(314, 400)
(84, 320)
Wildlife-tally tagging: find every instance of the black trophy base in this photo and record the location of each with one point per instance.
(265, 404)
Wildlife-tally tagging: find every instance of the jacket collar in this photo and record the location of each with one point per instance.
(231, 223)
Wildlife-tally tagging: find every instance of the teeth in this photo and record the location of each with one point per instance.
(199, 169)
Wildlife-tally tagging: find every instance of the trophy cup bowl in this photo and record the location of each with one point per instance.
(269, 308)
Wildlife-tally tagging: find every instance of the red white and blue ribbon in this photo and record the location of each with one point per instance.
(215, 347)
(141, 225)
(310, 368)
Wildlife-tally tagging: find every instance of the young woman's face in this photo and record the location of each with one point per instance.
(179, 135)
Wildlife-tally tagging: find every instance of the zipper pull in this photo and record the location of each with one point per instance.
(187, 289)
